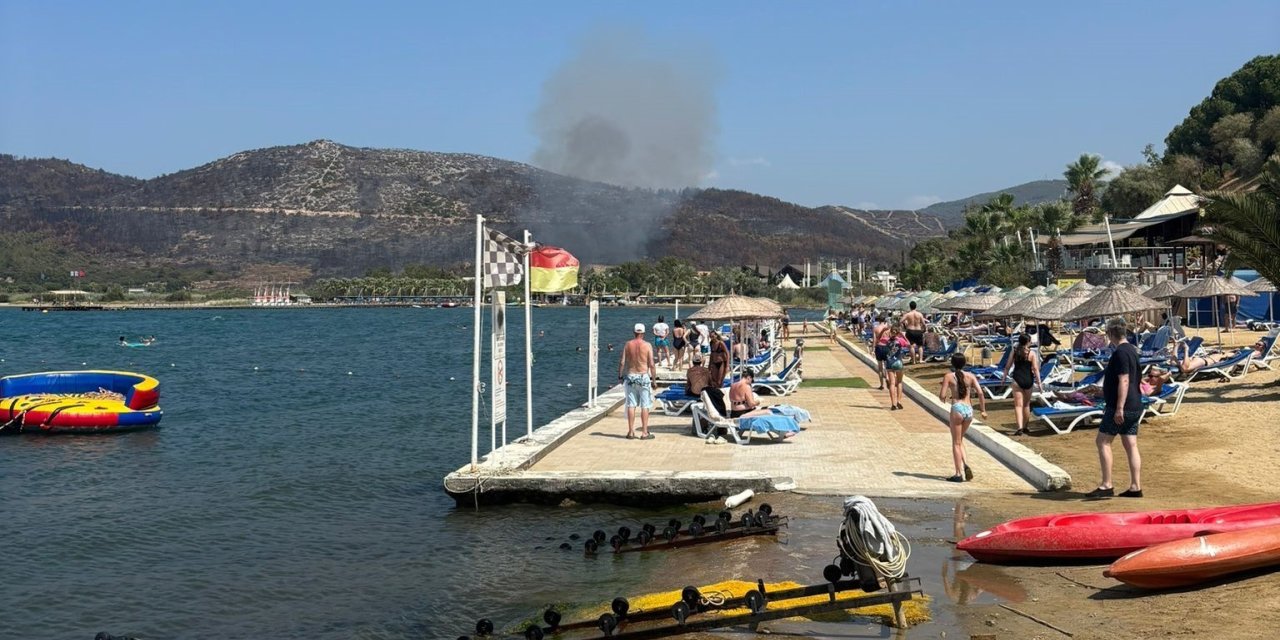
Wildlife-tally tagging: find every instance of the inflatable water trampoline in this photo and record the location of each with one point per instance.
(78, 402)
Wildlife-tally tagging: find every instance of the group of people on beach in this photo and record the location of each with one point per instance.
(707, 357)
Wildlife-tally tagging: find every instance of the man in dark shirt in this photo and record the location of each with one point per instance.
(699, 379)
(1123, 401)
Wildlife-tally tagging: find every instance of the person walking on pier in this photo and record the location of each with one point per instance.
(636, 372)
(662, 341)
(913, 325)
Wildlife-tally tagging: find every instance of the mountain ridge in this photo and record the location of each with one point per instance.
(337, 210)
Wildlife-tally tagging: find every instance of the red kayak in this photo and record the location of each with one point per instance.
(1186, 562)
(1107, 536)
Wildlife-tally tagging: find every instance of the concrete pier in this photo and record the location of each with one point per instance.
(854, 445)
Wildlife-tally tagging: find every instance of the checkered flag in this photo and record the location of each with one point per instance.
(503, 260)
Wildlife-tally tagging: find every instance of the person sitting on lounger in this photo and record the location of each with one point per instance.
(1189, 363)
(699, 379)
(742, 399)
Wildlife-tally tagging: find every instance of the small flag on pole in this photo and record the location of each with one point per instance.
(552, 269)
(503, 260)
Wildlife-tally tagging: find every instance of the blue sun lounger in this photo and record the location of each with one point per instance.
(673, 400)
(1232, 368)
(784, 383)
(1072, 416)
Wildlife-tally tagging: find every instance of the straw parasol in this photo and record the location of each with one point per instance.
(1164, 289)
(979, 302)
(1065, 302)
(999, 307)
(1261, 285)
(1111, 301)
(1212, 287)
(1079, 286)
(736, 307)
(1026, 304)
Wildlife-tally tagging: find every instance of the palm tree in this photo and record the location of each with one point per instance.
(1083, 177)
(1249, 224)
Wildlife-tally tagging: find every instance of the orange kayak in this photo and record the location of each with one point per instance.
(1186, 562)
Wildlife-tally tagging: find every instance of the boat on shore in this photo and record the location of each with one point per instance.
(1107, 536)
(1183, 563)
(78, 402)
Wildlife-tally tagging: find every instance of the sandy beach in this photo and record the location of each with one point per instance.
(1217, 450)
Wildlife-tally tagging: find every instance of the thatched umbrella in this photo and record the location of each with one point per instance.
(979, 302)
(1212, 287)
(1164, 289)
(1068, 300)
(734, 307)
(1025, 305)
(999, 307)
(1115, 300)
(1079, 286)
(1263, 285)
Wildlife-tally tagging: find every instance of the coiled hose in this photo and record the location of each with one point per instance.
(869, 539)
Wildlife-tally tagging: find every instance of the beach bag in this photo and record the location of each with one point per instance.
(894, 361)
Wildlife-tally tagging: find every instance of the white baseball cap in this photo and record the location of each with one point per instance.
(639, 327)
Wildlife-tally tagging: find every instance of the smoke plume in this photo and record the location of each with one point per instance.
(629, 112)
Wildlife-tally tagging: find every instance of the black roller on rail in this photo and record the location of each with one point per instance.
(700, 530)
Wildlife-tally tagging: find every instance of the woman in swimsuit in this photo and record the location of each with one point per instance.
(960, 385)
(678, 343)
(742, 399)
(880, 337)
(1189, 363)
(898, 347)
(719, 357)
(1025, 364)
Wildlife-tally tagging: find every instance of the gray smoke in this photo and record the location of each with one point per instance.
(625, 111)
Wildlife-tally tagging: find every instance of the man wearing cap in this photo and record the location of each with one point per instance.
(636, 373)
(699, 379)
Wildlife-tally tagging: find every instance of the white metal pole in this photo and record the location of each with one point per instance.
(475, 354)
(528, 341)
(1106, 219)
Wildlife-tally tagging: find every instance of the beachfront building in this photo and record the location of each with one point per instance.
(1157, 244)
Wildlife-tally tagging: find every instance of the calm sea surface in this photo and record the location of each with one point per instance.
(294, 487)
(284, 497)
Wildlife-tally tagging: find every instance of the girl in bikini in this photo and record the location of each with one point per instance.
(960, 385)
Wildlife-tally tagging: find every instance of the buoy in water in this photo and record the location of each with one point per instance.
(348, 373)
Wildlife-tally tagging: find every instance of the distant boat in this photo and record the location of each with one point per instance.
(448, 305)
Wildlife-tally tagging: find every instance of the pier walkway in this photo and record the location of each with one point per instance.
(854, 445)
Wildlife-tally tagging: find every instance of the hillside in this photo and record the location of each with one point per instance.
(338, 210)
(952, 213)
(53, 180)
(906, 226)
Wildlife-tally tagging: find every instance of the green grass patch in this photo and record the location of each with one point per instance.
(829, 383)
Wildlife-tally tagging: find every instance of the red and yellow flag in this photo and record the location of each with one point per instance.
(552, 269)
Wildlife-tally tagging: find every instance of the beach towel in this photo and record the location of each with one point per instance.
(767, 424)
(793, 412)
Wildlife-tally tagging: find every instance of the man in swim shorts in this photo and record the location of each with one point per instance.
(636, 372)
(913, 326)
(662, 340)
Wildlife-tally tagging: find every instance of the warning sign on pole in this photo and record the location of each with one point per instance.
(593, 349)
(499, 364)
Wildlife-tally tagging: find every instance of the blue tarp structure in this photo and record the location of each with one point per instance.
(1200, 310)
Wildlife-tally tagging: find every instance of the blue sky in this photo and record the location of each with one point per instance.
(891, 104)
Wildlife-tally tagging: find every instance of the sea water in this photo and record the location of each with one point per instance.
(293, 489)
